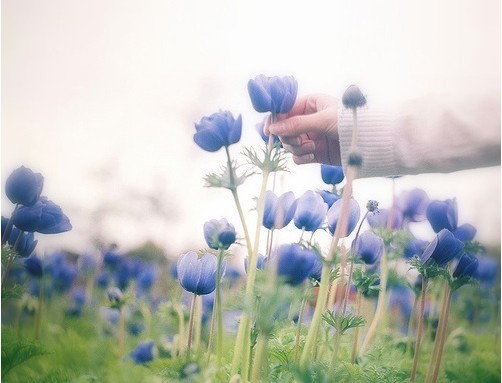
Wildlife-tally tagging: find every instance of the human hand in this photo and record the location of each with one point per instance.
(310, 130)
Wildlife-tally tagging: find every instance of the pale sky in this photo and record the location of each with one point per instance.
(101, 96)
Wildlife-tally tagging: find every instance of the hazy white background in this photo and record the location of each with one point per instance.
(101, 97)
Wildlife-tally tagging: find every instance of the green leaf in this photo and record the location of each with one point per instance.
(16, 351)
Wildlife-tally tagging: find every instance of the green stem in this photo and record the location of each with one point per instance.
(181, 330)
(443, 336)
(356, 332)
(260, 355)
(38, 321)
(198, 324)
(190, 323)
(410, 324)
(241, 352)
(435, 349)
(419, 330)
(219, 319)
(121, 334)
(380, 305)
(341, 228)
(299, 327)
(211, 331)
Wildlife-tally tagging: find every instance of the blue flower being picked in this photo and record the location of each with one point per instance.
(196, 275)
(44, 217)
(273, 94)
(219, 234)
(218, 130)
(310, 211)
(442, 249)
(24, 187)
(369, 247)
(279, 211)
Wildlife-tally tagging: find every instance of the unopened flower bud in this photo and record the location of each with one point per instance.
(372, 205)
(355, 159)
(353, 97)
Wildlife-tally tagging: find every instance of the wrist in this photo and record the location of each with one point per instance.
(374, 141)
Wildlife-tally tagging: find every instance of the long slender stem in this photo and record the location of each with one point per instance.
(419, 330)
(190, 323)
(437, 337)
(299, 327)
(241, 352)
(211, 330)
(411, 322)
(219, 319)
(121, 332)
(260, 355)
(356, 332)
(443, 337)
(341, 228)
(380, 310)
(181, 329)
(40, 308)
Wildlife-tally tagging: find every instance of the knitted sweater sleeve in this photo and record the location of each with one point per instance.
(427, 135)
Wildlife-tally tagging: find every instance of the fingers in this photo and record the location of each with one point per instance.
(321, 122)
(301, 150)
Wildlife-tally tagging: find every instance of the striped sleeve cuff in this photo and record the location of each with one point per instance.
(375, 141)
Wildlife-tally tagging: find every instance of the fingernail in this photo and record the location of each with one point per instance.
(277, 128)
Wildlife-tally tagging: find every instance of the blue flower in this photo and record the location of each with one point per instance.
(259, 128)
(24, 187)
(146, 278)
(261, 261)
(115, 295)
(369, 247)
(142, 353)
(218, 130)
(196, 275)
(294, 263)
(112, 259)
(219, 234)
(273, 94)
(443, 248)
(379, 218)
(334, 215)
(310, 211)
(443, 215)
(487, 270)
(413, 204)
(466, 266)
(316, 271)
(465, 232)
(44, 217)
(26, 242)
(279, 211)
(34, 266)
(332, 175)
(5, 222)
(328, 197)
(414, 247)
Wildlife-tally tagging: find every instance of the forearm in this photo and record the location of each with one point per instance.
(431, 134)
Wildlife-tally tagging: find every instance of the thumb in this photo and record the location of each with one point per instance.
(320, 122)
